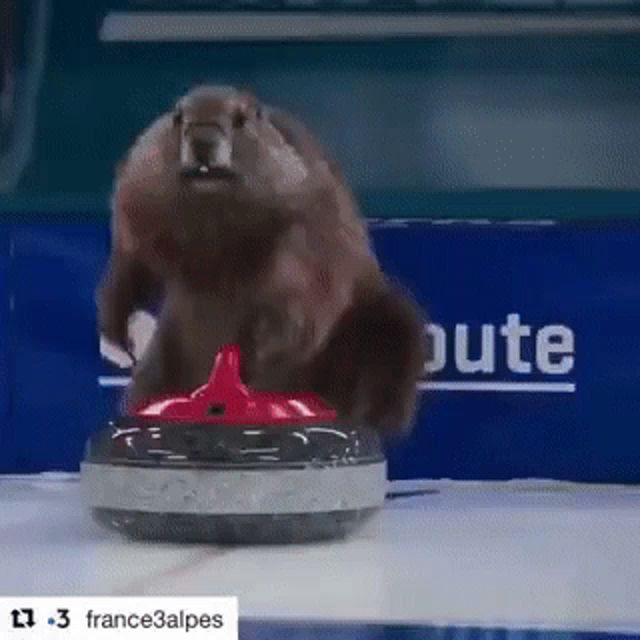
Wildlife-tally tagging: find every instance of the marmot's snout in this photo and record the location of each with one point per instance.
(205, 152)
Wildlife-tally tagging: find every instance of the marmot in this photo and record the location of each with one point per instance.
(234, 216)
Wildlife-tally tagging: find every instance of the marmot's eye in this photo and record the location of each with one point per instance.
(177, 118)
(239, 120)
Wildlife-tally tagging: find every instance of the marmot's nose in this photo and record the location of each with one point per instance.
(202, 150)
(210, 146)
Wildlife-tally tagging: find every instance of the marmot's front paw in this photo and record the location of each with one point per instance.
(125, 351)
(113, 327)
(371, 385)
(371, 366)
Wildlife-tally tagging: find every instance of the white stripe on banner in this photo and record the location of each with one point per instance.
(495, 387)
(501, 387)
(113, 381)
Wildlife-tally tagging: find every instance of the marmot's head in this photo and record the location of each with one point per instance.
(218, 144)
(218, 162)
(224, 141)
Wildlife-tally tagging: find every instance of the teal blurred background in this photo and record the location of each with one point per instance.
(497, 126)
(542, 126)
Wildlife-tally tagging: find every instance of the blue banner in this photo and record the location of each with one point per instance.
(6, 302)
(534, 329)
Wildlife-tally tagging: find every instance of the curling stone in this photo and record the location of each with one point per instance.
(227, 464)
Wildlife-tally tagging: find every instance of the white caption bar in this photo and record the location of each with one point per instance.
(108, 618)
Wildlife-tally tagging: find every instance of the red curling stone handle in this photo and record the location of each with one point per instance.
(226, 399)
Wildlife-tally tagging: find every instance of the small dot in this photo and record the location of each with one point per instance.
(51, 621)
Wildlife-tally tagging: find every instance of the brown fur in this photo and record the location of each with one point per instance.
(280, 265)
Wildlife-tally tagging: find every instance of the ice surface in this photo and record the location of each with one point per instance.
(518, 555)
